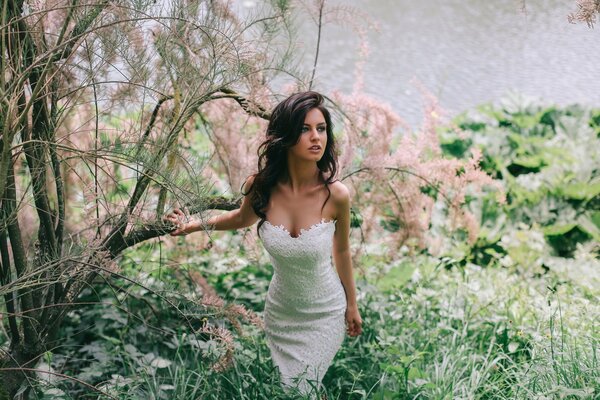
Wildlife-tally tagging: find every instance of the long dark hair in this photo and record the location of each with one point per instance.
(283, 132)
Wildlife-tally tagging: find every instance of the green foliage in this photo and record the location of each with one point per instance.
(136, 340)
(548, 161)
(429, 332)
(463, 333)
(247, 286)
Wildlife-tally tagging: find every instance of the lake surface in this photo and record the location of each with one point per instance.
(466, 52)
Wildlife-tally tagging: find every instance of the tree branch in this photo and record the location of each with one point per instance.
(62, 376)
(80, 29)
(19, 258)
(153, 230)
(36, 161)
(116, 240)
(5, 277)
(34, 153)
(58, 180)
(151, 123)
(396, 169)
(251, 108)
(319, 26)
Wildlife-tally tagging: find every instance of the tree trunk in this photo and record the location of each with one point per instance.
(11, 378)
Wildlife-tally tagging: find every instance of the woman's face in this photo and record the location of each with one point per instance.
(313, 137)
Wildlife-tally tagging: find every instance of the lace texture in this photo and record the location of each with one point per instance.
(305, 305)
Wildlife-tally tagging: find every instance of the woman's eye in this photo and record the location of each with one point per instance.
(321, 129)
(304, 129)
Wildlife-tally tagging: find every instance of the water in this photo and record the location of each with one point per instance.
(466, 52)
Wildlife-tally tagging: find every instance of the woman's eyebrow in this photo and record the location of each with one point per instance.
(320, 123)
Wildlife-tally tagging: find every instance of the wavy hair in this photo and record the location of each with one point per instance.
(283, 132)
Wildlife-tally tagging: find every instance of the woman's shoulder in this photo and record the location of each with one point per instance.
(339, 192)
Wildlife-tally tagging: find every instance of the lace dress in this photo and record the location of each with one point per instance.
(305, 305)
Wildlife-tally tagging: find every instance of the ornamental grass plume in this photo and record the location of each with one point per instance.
(397, 179)
(239, 310)
(224, 337)
(232, 312)
(587, 12)
(235, 136)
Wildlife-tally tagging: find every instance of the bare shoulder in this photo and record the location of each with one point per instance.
(340, 193)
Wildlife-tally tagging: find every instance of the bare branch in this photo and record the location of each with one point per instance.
(19, 257)
(153, 230)
(251, 108)
(319, 26)
(63, 376)
(5, 278)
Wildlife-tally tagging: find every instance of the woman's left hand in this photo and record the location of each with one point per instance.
(353, 321)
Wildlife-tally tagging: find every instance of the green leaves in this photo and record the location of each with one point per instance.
(548, 160)
(579, 190)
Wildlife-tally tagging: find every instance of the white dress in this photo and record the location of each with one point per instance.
(305, 305)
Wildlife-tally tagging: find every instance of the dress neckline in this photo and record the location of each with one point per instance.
(302, 230)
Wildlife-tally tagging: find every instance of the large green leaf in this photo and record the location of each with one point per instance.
(558, 229)
(595, 218)
(579, 190)
(588, 225)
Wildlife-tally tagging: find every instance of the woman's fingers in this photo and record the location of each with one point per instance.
(179, 231)
(354, 326)
(170, 217)
(178, 218)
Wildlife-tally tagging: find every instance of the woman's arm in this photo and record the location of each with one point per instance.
(234, 219)
(342, 257)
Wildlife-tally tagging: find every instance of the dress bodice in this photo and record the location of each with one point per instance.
(311, 248)
(302, 265)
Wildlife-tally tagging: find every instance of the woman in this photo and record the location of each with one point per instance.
(304, 216)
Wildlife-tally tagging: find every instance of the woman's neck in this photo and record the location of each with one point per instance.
(302, 175)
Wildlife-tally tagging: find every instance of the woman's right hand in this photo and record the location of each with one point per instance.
(181, 220)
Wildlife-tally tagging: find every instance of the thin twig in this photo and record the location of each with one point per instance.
(319, 26)
(365, 169)
(41, 371)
